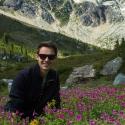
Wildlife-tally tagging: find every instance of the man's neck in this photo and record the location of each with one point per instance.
(44, 73)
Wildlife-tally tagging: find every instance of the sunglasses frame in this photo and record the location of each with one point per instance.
(44, 56)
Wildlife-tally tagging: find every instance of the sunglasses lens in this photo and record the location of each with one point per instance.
(44, 56)
(51, 57)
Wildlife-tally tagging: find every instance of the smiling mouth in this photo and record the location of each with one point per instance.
(45, 64)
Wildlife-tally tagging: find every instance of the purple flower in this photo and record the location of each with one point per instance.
(69, 122)
(92, 122)
(71, 113)
(79, 117)
(61, 116)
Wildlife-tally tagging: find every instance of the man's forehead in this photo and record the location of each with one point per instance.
(46, 49)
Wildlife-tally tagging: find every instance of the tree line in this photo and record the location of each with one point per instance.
(11, 51)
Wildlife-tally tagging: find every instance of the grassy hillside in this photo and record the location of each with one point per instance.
(63, 65)
(23, 34)
(66, 65)
(10, 68)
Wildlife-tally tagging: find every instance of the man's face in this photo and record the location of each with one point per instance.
(45, 58)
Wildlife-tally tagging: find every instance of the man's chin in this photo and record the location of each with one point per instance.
(45, 68)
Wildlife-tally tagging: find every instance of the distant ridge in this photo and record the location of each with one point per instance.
(99, 23)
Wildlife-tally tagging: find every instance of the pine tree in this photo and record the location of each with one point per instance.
(21, 49)
(5, 38)
(26, 54)
(122, 48)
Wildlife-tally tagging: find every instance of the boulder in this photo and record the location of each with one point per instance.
(64, 87)
(47, 16)
(15, 4)
(29, 9)
(51, 4)
(8, 82)
(80, 74)
(112, 67)
(119, 79)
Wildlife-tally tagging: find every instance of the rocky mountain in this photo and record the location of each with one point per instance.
(97, 22)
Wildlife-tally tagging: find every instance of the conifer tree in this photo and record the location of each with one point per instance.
(5, 38)
(21, 49)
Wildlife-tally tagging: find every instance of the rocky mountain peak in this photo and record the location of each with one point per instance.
(91, 21)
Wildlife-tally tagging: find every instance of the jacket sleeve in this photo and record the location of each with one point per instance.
(17, 94)
(57, 93)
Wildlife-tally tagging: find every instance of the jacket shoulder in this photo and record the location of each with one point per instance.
(54, 72)
(27, 71)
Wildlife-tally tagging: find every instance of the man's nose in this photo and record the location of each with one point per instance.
(46, 59)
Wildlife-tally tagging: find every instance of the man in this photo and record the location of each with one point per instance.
(34, 87)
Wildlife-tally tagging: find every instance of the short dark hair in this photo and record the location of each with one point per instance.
(48, 44)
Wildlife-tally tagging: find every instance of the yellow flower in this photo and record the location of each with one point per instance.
(52, 103)
(34, 122)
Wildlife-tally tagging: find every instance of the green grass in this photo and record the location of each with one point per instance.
(65, 67)
(3, 89)
(11, 68)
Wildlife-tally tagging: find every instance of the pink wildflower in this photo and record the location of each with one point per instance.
(79, 117)
(92, 122)
(71, 113)
(61, 116)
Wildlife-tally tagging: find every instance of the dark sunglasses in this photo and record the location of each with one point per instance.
(44, 56)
